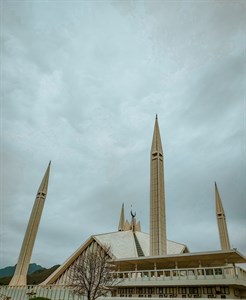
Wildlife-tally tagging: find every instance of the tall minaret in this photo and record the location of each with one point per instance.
(158, 239)
(221, 219)
(122, 219)
(21, 270)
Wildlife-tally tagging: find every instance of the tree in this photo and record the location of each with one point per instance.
(93, 274)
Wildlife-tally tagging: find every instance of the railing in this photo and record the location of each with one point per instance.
(227, 272)
(135, 278)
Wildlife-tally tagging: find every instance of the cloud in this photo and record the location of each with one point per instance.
(81, 86)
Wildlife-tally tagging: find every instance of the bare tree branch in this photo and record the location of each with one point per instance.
(94, 273)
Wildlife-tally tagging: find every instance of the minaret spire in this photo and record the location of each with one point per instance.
(158, 240)
(156, 141)
(221, 219)
(21, 270)
(122, 219)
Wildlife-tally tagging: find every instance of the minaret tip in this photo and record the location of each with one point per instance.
(122, 219)
(221, 219)
(156, 141)
(44, 184)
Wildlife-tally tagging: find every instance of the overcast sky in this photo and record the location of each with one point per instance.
(81, 84)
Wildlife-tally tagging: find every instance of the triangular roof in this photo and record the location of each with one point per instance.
(122, 246)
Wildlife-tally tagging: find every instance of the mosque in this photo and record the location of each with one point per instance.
(148, 265)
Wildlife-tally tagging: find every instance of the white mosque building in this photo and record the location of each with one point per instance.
(148, 265)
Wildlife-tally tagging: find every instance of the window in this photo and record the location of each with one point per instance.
(218, 271)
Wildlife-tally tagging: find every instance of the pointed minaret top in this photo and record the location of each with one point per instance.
(156, 141)
(122, 219)
(221, 219)
(43, 188)
(219, 207)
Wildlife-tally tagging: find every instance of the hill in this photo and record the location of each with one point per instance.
(34, 278)
(9, 271)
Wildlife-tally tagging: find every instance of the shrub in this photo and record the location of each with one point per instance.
(40, 298)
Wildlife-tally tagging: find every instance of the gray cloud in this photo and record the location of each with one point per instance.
(82, 82)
